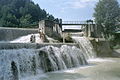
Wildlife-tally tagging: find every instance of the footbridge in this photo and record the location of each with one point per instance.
(78, 22)
(74, 23)
(87, 27)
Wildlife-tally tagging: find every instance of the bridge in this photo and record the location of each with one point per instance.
(76, 26)
(86, 28)
(77, 22)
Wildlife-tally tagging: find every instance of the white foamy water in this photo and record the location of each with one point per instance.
(61, 58)
(72, 70)
(100, 60)
(26, 39)
(85, 46)
(105, 70)
(19, 64)
(16, 64)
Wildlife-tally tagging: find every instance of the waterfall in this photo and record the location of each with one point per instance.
(16, 64)
(61, 58)
(86, 46)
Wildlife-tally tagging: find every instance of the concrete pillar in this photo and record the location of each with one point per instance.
(86, 30)
(89, 30)
(63, 37)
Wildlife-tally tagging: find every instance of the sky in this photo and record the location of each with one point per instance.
(69, 10)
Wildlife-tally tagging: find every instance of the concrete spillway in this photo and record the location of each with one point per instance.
(19, 62)
(32, 45)
(9, 34)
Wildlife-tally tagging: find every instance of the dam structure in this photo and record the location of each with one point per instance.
(23, 62)
(19, 58)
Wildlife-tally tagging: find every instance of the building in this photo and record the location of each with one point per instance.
(50, 28)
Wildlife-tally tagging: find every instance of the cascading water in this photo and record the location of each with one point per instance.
(61, 58)
(16, 64)
(26, 39)
(85, 46)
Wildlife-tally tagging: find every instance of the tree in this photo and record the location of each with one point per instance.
(50, 17)
(25, 20)
(106, 15)
(21, 13)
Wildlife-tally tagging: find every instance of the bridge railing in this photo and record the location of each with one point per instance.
(75, 22)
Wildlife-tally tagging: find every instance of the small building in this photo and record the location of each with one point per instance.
(50, 28)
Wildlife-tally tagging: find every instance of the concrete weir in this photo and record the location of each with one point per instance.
(8, 34)
(32, 45)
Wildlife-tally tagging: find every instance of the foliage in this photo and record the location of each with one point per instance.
(21, 13)
(107, 15)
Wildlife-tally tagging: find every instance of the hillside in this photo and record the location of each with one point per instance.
(21, 13)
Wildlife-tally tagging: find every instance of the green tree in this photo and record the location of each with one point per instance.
(21, 13)
(50, 17)
(106, 15)
(25, 21)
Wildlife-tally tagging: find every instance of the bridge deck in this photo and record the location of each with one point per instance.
(75, 23)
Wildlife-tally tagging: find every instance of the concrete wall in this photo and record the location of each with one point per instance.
(90, 30)
(32, 45)
(50, 28)
(7, 34)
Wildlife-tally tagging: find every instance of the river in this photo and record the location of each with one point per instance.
(99, 69)
(57, 63)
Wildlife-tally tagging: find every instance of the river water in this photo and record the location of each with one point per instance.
(57, 63)
(99, 69)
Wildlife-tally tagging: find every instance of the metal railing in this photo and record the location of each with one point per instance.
(74, 22)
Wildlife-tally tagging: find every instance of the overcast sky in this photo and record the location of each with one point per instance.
(69, 10)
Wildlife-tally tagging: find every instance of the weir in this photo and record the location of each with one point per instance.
(21, 60)
(33, 45)
(21, 63)
(9, 34)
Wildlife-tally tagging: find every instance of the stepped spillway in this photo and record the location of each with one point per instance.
(21, 63)
(20, 58)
